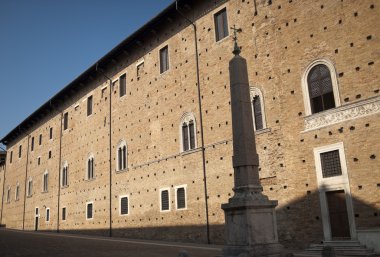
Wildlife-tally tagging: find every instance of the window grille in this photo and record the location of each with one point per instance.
(330, 163)
(181, 198)
(164, 200)
(221, 25)
(124, 205)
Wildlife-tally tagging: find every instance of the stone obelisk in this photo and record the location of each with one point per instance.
(250, 218)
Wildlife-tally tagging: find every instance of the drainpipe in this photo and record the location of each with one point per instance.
(200, 118)
(26, 177)
(2, 198)
(110, 143)
(59, 172)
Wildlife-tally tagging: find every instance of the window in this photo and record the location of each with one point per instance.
(188, 132)
(51, 133)
(49, 154)
(9, 195)
(257, 102)
(89, 208)
(45, 181)
(47, 214)
(64, 213)
(140, 69)
(124, 205)
(17, 193)
(181, 197)
(65, 173)
(320, 87)
(104, 91)
(65, 121)
(164, 59)
(123, 85)
(39, 160)
(221, 25)
(89, 105)
(330, 163)
(30, 187)
(32, 144)
(40, 139)
(11, 157)
(164, 200)
(90, 167)
(19, 151)
(122, 156)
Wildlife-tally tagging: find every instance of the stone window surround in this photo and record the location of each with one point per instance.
(332, 184)
(92, 214)
(47, 182)
(122, 196)
(176, 204)
(255, 91)
(185, 118)
(160, 200)
(121, 143)
(65, 165)
(90, 156)
(216, 11)
(305, 89)
(64, 207)
(165, 45)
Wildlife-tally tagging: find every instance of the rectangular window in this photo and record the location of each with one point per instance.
(257, 113)
(122, 85)
(19, 151)
(192, 135)
(17, 193)
(49, 154)
(39, 160)
(65, 121)
(30, 187)
(330, 163)
(8, 195)
(181, 198)
(185, 136)
(221, 25)
(124, 205)
(65, 176)
(104, 91)
(11, 157)
(45, 181)
(140, 69)
(36, 210)
(51, 133)
(164, 59)
(47, 214)
(64, 213)
(40, 139)
(89, 211)
(89, 105)
(32, 144)
(165, 200)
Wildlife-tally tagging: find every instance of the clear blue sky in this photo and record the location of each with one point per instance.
(45, 44)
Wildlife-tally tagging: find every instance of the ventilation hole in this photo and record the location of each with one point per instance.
(302, 140)
(357, 68)
(372, 6)
(285, 187)
(300, 113)
(367, 125)
(370, 63)
(346, 99)
(360, 187)
(341, 74)
(356, 159)
(372, 156)
(376, 91)
(358, 96)
(352, 128)
(336, 51)
(369, 37)
(352, 44)
(355, 14)
(340, 130)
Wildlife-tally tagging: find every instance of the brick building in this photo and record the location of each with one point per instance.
(139, 145)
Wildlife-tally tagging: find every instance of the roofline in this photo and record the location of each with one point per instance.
(48, 104)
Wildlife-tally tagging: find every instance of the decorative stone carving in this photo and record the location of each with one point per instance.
(343, 113)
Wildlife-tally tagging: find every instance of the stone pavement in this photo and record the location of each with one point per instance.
(42, 244)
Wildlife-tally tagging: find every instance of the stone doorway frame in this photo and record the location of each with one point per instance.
(333, 184)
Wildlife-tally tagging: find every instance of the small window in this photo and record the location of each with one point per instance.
(221, 25)
(64, 213)
(32, 145)
(164, 200)
(49, 154)
(65, 121)
(90, 168)
(181, 198)
(51, 133)
(9, 195)
(122, 85)
(89, 211)
(19, 151)
(89, 105)
(40, 139)
(36, 211)
(47, 214)
(330, 163)
(164, 59)
(17, 193)
(45, 182)
(30, 187)
(140, 69)
(122, 156)
(38, 161)
(124, 205)
(11, 157)
(65, 171)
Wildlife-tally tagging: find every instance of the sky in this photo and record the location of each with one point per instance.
(46, 44)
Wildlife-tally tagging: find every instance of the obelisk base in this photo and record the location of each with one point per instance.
(251, 229)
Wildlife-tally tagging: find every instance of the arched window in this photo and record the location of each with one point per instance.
(258, 114)
(188, 132)
(65, 175)
(45, 180)
(320, 87)
(30, 187)
(121, 156)
(90, 167)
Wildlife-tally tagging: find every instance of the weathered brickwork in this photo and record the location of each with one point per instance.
(279, 42)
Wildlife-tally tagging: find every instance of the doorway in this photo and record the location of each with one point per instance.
(338, 215)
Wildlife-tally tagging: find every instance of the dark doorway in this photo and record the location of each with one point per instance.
(340, 227)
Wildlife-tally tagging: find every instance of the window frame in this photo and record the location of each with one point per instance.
(89, 158)
(92, 210)
(120, 197)
(226, 33)
(121, 145)
(160, 199)
(187, 117)
(165, 68)
(176, 197)
(65, 174)
(305, 85)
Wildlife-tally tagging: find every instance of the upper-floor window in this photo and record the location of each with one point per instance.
(64, 213)
(17, 193)
(122, 156)
(188, 132)
(123, 85)
(9, 195)
(221, 24)
(90, 167)
(32, 144)
(89, 105)
(140, 69)
(65, 175)
(29, 191)
(40, 139)
(65, 120)
(11, 157)
(19, 151)
(45, 181)
(164, 59)
(320, 87)
(51, 133)
(258, 113)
